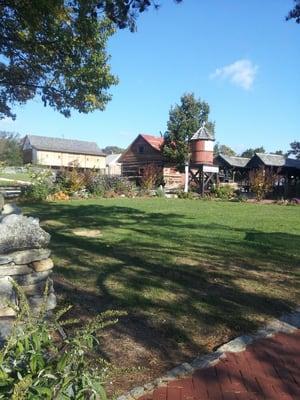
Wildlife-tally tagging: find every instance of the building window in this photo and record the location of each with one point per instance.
(141, 149)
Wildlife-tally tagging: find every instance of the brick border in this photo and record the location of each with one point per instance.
(288, 323)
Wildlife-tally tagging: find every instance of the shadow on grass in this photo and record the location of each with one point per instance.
(180, 279)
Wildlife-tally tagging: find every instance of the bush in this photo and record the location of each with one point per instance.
(186, 195)
(110, 186)
(42, 185)
(70, 181)
(225, 192)
(152, 177)
(261, 182)
(160, 192)
(35, 364)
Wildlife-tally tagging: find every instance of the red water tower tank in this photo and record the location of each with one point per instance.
(202, 147)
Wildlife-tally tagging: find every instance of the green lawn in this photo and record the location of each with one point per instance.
(190, 273)
(21, 176)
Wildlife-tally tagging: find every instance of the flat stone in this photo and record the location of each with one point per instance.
(6, 325)
(10, 208)
(137, 392)
(33, 278)
(206, 361)
(236, 345)
(292, 319)
(7, 292)
(42, 265)
(18, 232)
(176, 372)
(38, 289)
(12, 269)
(25, 256)
(149, 387)
(7, 312)
(274, 327)
(36, 302)
(121, 398)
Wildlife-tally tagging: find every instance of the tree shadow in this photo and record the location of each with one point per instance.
(187, 285)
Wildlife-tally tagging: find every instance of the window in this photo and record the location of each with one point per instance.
(141, 149)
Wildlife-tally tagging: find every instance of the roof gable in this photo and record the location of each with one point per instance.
(112, 159)
(73, 146)
(203, 133)
(154, 141)
(233, 161)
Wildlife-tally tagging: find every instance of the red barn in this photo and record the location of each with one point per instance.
(146, 150)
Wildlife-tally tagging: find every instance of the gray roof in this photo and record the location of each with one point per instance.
(292, 163)
(112, 158)
(65, 145)
(203, 133)
(234, 161)
(275, 160)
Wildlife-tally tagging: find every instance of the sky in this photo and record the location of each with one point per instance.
(240, 56)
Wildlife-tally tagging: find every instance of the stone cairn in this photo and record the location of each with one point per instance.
(24, 258)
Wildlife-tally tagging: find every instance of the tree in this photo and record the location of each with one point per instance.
(295, 12)
(261, 182)
(184, 120)
(57, 50)
(295, 150)
(223, 149)
(112, 150)
(10, 148)
(250, 152)
(278, 152)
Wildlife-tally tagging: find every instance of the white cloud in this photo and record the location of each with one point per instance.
(242, 73)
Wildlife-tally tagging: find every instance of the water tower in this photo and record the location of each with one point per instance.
(201, 167)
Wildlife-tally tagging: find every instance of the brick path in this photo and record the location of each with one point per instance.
(268, 369)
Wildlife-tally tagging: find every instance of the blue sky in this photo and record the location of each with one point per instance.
(238, 55)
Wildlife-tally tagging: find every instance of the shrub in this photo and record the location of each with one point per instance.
(42, 184)
(104, 185)
(186, 195)
(225, 192)
(70, 181)
(261, 182)
(160, 192)
(152, 177)
(35, 364)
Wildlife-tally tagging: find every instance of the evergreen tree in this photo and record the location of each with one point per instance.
(184, 120)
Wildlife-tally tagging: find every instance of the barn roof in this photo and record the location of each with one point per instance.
(234, 161)
(275, 160)
(64, 145)
(112, 158)
(154, 141)
(203, 133)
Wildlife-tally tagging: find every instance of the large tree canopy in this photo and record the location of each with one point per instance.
(184, 120)
(295, 12)
(57, 50)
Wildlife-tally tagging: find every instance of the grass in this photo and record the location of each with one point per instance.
(20, 176)
(191, 274)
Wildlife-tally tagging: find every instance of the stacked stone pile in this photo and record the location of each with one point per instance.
(25, 258)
